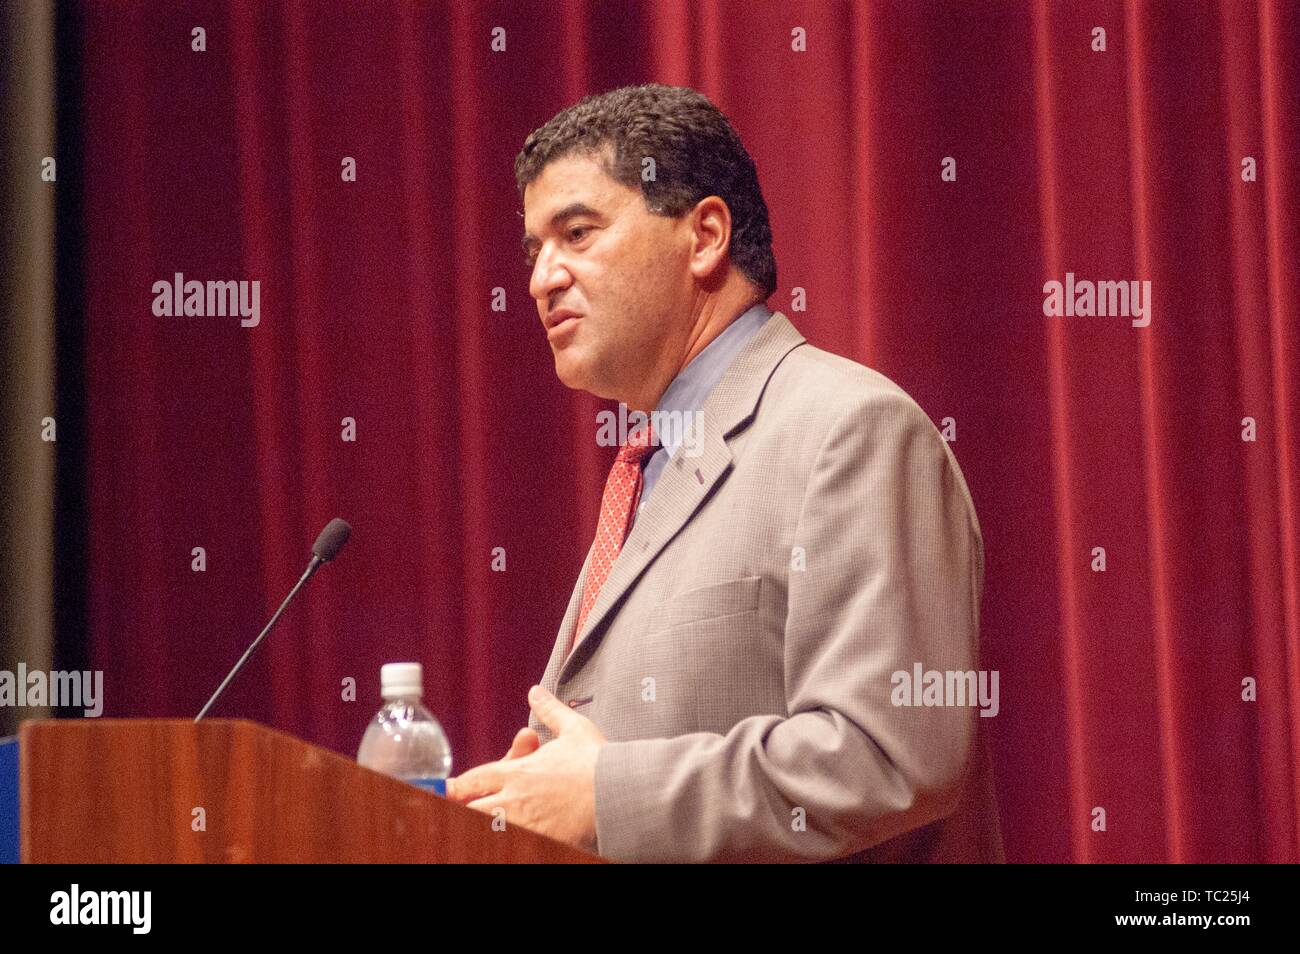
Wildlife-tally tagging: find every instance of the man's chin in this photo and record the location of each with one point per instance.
(577, 375)
(570, 371)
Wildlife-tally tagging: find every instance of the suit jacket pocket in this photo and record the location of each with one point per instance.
(702, 603)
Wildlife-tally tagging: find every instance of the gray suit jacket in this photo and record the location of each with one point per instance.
(740, 657)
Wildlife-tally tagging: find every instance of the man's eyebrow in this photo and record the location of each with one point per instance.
(570, 211)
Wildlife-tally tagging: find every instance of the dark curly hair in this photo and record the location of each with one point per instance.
(696, 154)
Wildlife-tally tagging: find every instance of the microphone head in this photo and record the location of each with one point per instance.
(331, 539)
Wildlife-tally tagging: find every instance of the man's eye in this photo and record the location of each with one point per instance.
(576, 234)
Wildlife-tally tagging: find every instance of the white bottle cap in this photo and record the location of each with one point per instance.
(401, 679)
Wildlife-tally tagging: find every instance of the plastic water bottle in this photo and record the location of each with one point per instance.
(404, 740)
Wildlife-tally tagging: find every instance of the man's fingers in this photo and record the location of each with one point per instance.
(488, 779)
(476, 783)
(551, 712)
(526, 742)
(488, 804)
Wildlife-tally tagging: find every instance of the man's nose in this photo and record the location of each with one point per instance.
(549, 276)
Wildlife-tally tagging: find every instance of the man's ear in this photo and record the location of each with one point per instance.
(711, 236)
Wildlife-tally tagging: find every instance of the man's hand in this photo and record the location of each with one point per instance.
(550, 789)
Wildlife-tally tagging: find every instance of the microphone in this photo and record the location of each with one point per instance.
(326, 548)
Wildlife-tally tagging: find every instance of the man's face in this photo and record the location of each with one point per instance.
(622, 270)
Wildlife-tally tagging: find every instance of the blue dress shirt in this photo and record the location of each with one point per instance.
(695, 382)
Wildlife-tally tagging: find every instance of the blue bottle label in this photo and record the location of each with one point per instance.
(436, 785)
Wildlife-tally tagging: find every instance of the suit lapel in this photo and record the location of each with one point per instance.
(682, 486)
(550, 678)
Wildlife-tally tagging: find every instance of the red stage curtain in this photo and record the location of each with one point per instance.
(1120, 689)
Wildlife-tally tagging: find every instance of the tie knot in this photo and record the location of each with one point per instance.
(639, 446)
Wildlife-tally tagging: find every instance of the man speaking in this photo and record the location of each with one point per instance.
(765, 654)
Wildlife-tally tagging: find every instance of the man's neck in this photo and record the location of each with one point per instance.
(715, 316)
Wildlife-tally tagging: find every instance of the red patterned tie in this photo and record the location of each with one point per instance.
(622, 491)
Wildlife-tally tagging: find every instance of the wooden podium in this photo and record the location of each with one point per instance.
(230, 790)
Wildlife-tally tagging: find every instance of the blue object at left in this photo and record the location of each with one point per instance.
(9, 801)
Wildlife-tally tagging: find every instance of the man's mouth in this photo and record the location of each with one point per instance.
(560, 322)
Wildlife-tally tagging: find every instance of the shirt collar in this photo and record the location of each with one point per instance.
(693, 383)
